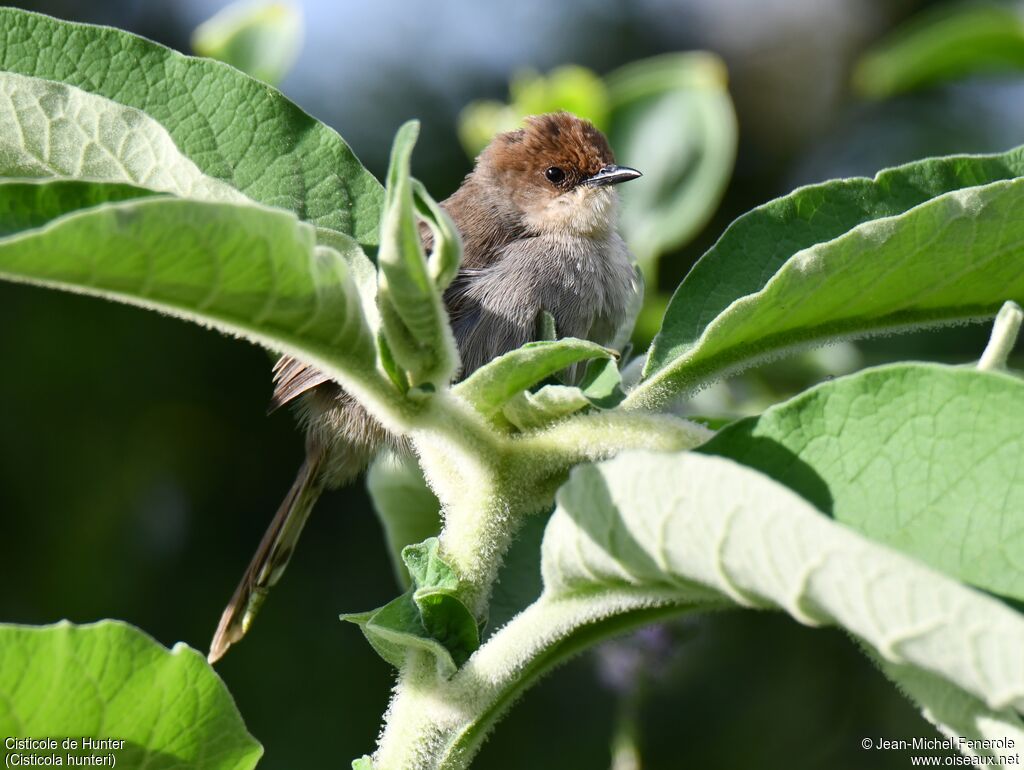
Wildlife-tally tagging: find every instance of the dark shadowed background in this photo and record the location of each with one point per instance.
(138, 469)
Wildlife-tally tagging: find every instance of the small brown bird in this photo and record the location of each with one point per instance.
(537, 216)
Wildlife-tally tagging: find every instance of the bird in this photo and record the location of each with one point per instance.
(537, 217)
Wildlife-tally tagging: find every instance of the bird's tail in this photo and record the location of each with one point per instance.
(271, 558)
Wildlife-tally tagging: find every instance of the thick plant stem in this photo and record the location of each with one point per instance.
(488, 484)
(418, 720)
(464, 469)
(440, 725)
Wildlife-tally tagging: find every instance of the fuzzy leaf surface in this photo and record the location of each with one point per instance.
(656, 524)
(928, 459)
(414, 319)
(243, 269)
(491, 386)
(933, 242)
(646, 534)
(233, 127)
(55, 131)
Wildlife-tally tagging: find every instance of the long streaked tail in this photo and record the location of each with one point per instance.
(271, 558)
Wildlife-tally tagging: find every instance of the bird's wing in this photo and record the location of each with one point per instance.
(291, 379)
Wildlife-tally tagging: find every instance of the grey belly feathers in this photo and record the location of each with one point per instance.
(587, 290)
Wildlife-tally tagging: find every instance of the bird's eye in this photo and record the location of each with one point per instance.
(554, 174)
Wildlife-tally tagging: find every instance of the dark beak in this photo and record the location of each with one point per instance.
(612, 175)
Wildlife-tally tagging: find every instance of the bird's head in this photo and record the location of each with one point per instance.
(559, 172)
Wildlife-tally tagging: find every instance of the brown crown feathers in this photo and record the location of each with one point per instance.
(556, 140)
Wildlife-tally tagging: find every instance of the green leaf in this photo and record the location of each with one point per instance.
(232, 127)
(446, 249)
(408, 510)
(602, 383)
(53, 130)
(443, 615)
(672, 118)
(110, 680)
(647, 534)
(529, 411)
(429, 617)
(426, 567)
(262, 39)
(27, 205)
(667, 524)
(928, 459)
(449, 621)
(936, 241)
(491, 386)
(243, 269)
(570, 87)
(396, 629)
(944, 44)
(414, 320)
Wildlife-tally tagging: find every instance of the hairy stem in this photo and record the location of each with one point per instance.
(441, 725)
(488, 482)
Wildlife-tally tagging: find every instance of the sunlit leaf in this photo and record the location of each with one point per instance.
(232, 127)
(108, 680)
(925, 458)
(937, 241)
(492, 385)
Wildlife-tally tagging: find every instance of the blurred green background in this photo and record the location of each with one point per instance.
(138, 469)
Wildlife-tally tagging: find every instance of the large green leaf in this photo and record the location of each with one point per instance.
(649, 533)
(936, 241)
(262, 39)
(242, 268)
(672, 118)
(53, 130)
(654, 523)
(928, 459)
(108, 680)
(947, 43)
(232, 127)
